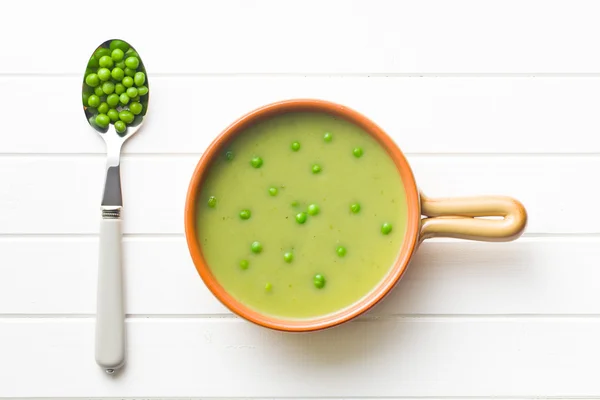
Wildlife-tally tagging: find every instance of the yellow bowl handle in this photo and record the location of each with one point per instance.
(458, 218)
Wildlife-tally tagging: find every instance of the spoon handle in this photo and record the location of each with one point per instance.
(110, 314)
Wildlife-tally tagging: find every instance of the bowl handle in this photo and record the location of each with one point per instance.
(457, 218)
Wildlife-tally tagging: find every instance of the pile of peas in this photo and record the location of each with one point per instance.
(115, 90)
(301, 217)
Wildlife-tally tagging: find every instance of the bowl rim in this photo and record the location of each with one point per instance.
(408, 247)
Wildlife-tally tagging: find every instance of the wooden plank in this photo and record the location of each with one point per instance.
(268, 36)
(390, 357)
(423, 115)
(539, 276)
(46, 195)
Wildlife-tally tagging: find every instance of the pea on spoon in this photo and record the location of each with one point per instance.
(115, 98)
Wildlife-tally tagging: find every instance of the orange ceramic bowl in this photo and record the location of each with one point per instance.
(457, 218)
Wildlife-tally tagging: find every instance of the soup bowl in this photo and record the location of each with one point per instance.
(460, 218)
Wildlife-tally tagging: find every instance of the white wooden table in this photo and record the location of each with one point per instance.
(495, 97)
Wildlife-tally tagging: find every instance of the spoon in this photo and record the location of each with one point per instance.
(115, 122)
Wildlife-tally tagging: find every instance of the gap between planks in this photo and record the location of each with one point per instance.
(125, 155)
(360, 319)
(526, 237)
(326, 75)
(325, 398)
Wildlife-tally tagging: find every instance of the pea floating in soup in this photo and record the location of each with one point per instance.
(309, 215)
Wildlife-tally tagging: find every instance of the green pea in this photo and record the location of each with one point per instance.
(244, 264)
(131, 53)
(212, 201)
(119, 44)
(105, 61)
(288, 257)
(386, 228)
(313, 209)
(126, 116)
(327, 137)
(355, 208)
(245, 214)
(101, 52)
(341, 251)
(119, 88)
(103, 74)
(85, 97)
(139, 78)
(117, 73)
(92, 80)
(129, 72)
(103, 108)
(301, 217)
(136, 98)
(117, 55)
(256, 247)
(98, 91)
(121, 64)
(142, 90)
(123, 98)
(93, 62)
(296, 146)
(294, 203)
(268, 286)
(120, 126)
(358, 152)
(87, 89)
(93, 101)
(132, 62)
(256, 162)
(102, 120)
(135, 107)
(127, 82)
(112, 100)
(273, 191)
(228, 155)
(113, 114)
(319, 281)
(316, 169)
(131, 92)
(108, 87)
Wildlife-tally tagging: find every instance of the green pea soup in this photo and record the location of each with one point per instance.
(302, 215)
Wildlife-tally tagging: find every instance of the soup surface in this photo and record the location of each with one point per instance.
(302, 215)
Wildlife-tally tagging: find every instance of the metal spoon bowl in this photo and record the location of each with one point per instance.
(110, 313)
